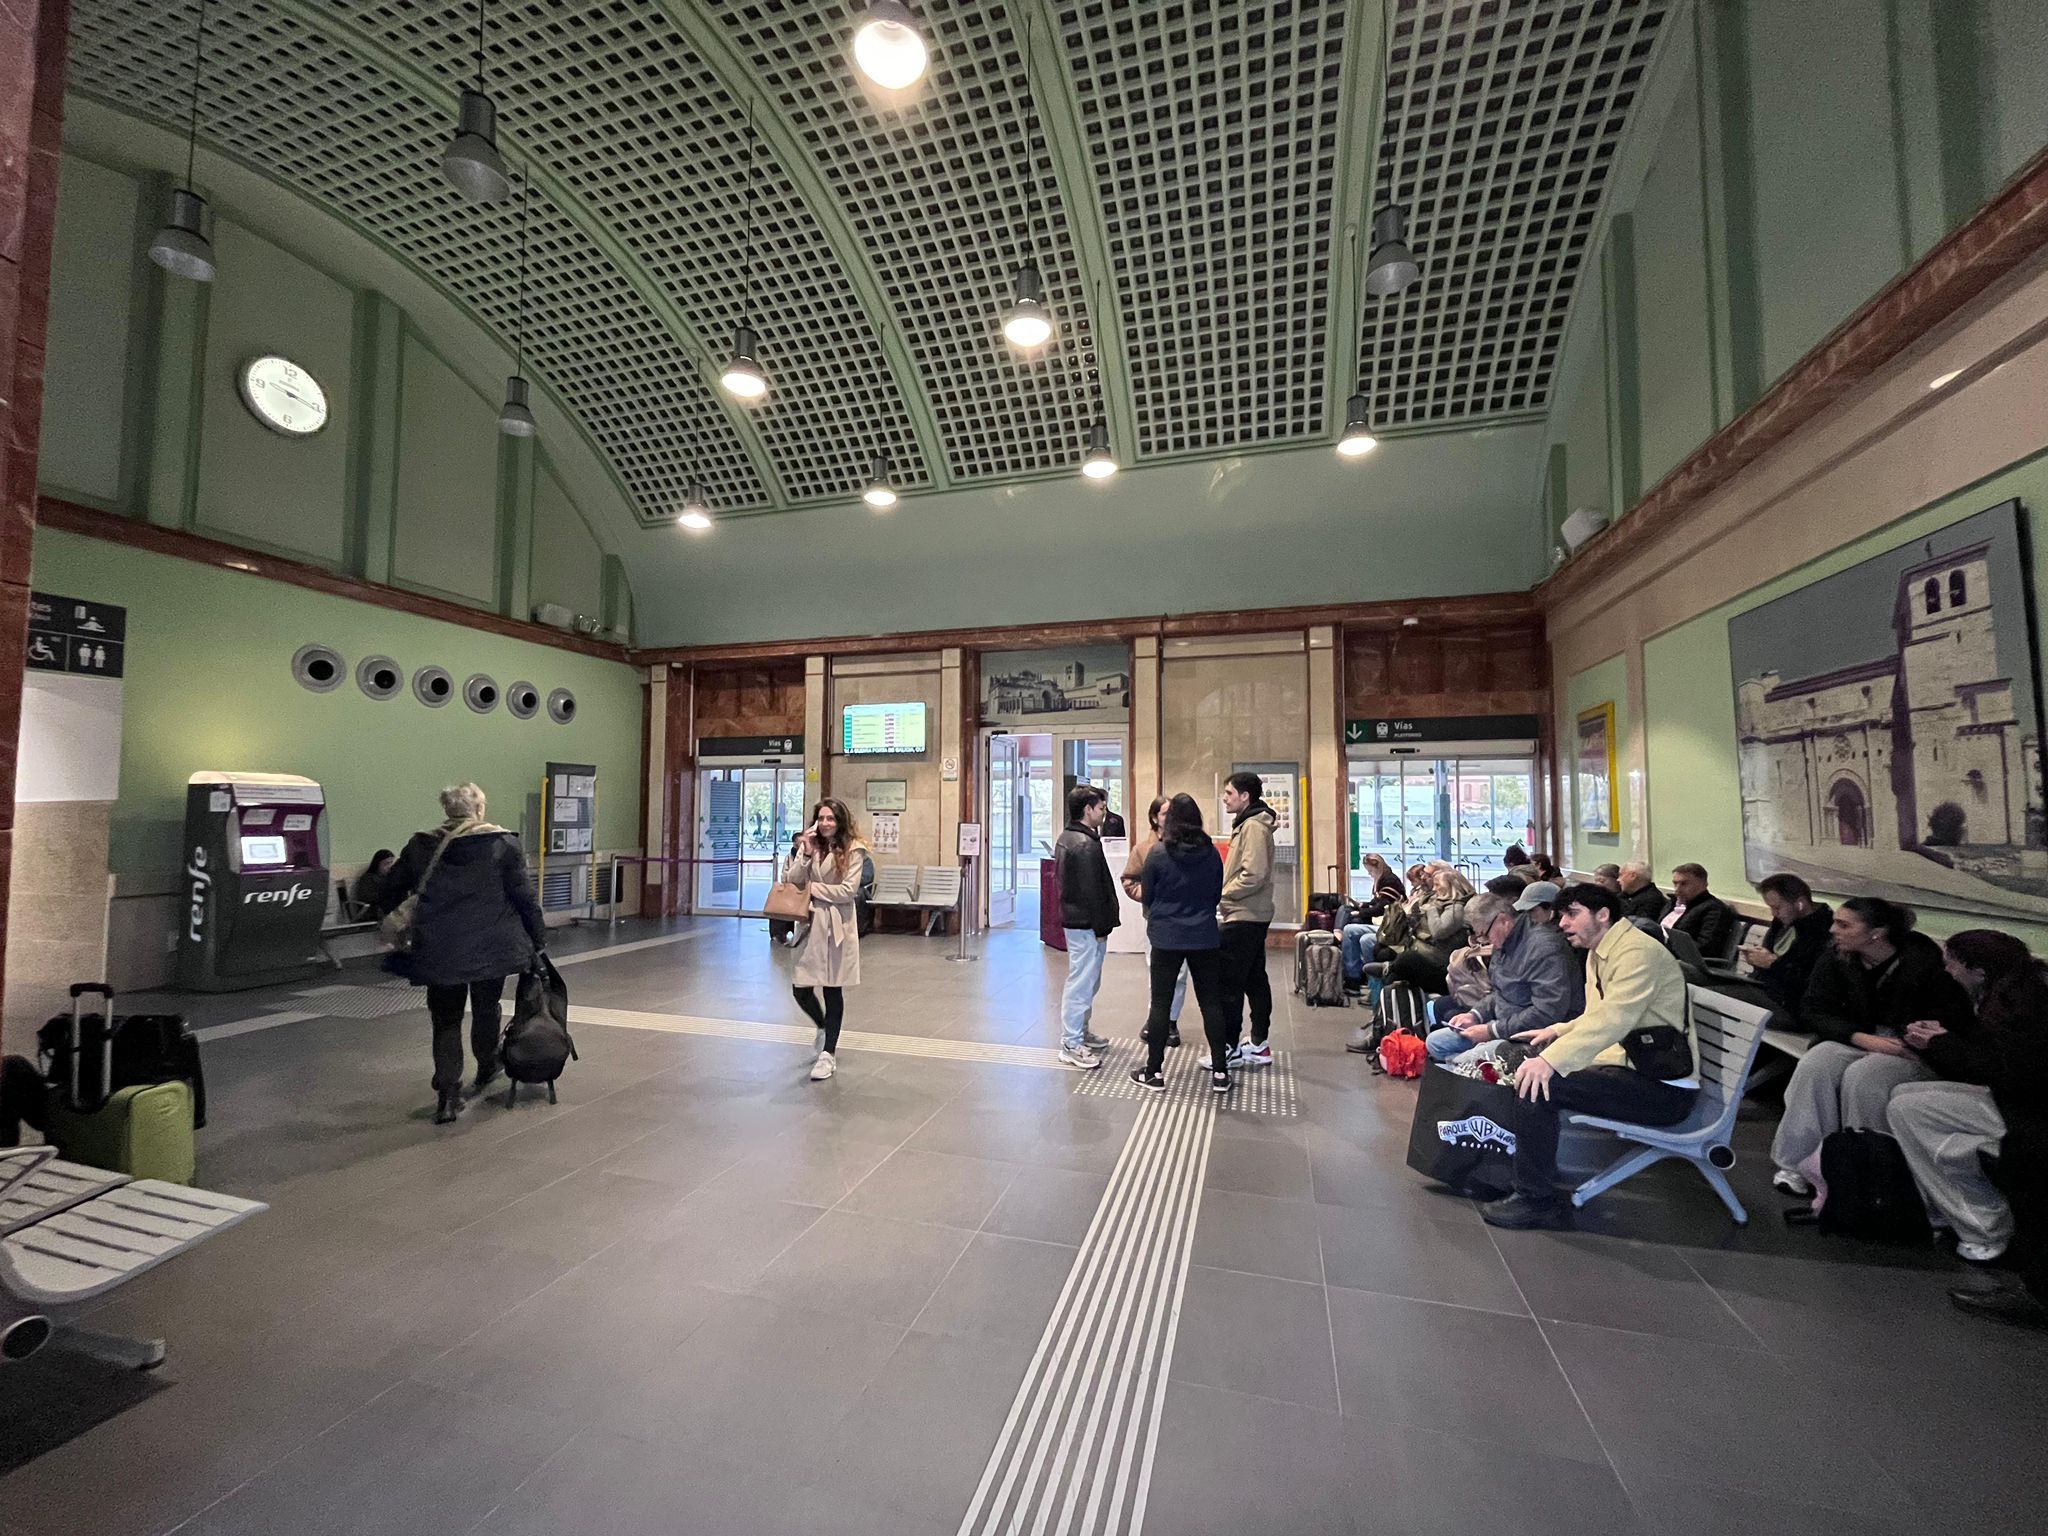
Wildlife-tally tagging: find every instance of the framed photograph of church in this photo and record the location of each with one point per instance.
(1887, 723)
(1599, 816)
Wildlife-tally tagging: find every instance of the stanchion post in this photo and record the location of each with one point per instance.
(967, 886)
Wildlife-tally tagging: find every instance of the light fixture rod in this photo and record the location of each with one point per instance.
(525, 192)
(480, 44)
(198, 66)
(750, 208)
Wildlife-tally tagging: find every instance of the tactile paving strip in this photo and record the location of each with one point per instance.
(1253, 1090)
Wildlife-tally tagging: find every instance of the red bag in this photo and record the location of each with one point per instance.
(1402, 1055)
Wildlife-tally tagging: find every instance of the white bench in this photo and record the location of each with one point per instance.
(895, 886)
(70, 1234)
(933, 890)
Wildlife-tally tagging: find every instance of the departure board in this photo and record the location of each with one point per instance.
(882, 729)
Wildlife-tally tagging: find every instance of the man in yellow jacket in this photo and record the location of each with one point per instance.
(1630, 1056)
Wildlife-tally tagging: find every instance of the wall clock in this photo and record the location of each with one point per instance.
(283, 396)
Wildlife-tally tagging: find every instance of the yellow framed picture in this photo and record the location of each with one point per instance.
(1594, 774)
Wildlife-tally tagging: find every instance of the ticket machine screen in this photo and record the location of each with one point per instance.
(262, 850)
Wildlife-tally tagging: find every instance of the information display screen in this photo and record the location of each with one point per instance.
(880, 729)
(262, 850)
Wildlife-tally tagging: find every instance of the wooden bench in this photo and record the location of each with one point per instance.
(70, 1234)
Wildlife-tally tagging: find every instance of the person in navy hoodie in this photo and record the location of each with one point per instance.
(1181, 883)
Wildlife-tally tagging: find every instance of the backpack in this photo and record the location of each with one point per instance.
(1402, 1055)
(866, 890)
(1323, 974)
(1870, 1190)
(536, 1045)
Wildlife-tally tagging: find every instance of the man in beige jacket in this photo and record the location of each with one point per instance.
(1246, 912)
(1635, 998)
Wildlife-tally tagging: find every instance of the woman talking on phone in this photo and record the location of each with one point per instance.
(830, 863)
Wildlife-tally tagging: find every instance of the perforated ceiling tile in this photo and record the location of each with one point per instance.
(282, 96)
(1212, 128)
(1502, 121)
(611, 96)
(937, 192)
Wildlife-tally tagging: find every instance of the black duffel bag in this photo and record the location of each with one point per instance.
(536, 1044)
(1463, 1133)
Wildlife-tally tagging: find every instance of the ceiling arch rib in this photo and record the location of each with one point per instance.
(622, 106)
(285, 97)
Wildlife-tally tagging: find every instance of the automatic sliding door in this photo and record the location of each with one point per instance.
(720, 820)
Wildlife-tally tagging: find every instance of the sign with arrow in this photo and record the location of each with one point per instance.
(1440, 728)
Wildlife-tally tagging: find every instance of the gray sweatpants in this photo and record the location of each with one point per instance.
(1941, 1127)
(1837, 1086)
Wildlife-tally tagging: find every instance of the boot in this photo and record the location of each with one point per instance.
(449, 1107)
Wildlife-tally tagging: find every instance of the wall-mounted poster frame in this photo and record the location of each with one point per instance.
(1594, 778)
(888, 794)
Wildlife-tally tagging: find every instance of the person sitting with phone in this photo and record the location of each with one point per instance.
(1781, 963)
(1630, 1055)
(1535, 977)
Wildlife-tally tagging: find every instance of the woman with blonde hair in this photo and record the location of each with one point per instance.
(830, 863)
(1440, 929)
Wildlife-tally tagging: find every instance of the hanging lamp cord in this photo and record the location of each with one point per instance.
(480, 46)
(198, 64)
(1030, 141)
(750, 211)
(525, 191)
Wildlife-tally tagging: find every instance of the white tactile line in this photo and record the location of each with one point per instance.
(1084, 1424)
(252, 1025)
(627, 948)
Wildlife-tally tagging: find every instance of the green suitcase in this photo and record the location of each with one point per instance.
(144, 1131)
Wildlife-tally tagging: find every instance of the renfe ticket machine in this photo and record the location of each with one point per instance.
(254, 890)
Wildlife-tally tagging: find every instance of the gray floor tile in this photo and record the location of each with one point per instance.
(1476, 1378)
(1258, 1234)
(934, 1187)
(612, 1484)
(1207, 1440)
(864, 1266)
(1277, 1169)
(1001, 1288)
(1671, 1508)
(1055, 1205)
(1438, 1253)
(1257, 1335)
(1400, 1482)
(576, 1216)
(806, 1166)
(1613, 1283)
(723, 1240)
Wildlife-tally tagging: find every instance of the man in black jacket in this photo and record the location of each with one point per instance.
(1639, 894)
(1699, 914)
(1088, 913)
(1791, 947)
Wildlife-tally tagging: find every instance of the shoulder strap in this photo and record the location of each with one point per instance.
(442, 847)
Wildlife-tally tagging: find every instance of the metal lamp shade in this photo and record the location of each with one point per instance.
(181, 247)
(1100, 463)
(888, 48)
(471, 162)
(1029, 323)
(1357, 440)
(516, 418)
(1392, 265)
(743, 376)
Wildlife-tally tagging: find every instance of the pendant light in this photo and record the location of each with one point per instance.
(516, 419)
(1028, 325)
(743, 378)
(881, 493)
(887, 46)
(471, 163)
(1357, 440)
(1393, 265)
(696, 514)
(181, 247)
(1098, 463)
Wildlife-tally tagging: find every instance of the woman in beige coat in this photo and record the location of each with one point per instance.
(829, 862)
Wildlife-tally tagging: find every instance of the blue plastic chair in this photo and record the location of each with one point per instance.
(1728, 1033)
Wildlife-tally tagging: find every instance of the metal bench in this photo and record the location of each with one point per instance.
(1728, 1033)
(938, 892)
(70, 1234)
(895, 886)
(352, 917)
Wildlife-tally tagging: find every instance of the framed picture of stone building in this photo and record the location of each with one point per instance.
(1072, 686)
(1887, 722)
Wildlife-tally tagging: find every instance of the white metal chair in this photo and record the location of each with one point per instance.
(895, 886)
(938, 892)
(1728, 1033)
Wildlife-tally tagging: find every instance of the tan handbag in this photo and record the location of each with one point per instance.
(788, 901)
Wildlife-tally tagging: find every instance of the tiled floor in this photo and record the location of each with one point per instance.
(704, 1294)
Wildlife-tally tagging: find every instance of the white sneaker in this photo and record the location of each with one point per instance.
(1236, 1056)
(825, 1067)
(1255, 1055)
(1791, 1183)
(1980, 1253)
(1079, 1056)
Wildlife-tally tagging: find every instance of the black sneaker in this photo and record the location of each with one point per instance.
(1219, 1082)
(1172, 1038)
(485, 1077)
(1150, 1080)
(1521, 1213)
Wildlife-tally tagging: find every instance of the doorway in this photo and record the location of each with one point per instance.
(1465, 810)
(747, 816)
(1024, 807)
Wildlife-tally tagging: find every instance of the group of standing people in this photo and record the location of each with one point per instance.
(1206, 920)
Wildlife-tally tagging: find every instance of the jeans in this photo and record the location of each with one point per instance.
(826, 1018)
(1168, 967)
(1245, 981)
(1444, 1043)
(1613, 1093)
(1360, 940)
(444, 1007)
(1084, 979)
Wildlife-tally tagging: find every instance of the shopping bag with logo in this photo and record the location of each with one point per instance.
(1463, 1133)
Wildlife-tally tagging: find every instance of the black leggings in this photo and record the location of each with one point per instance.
(444, 1007)
(826, 1018)
(1205, 970)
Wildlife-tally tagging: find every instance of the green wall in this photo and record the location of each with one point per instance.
(1694, 794)
(209, 686)
(1602, 683)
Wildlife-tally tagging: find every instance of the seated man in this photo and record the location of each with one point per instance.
(1634, 992)
(1781, 962)
(1698, 913)
(1639, 894)
(1535, 975)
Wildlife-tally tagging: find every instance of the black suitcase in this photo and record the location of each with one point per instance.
(147, 1048)
(1330, 901)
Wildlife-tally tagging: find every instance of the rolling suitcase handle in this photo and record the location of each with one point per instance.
(79, 991)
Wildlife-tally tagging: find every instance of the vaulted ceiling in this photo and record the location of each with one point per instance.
(1198, 194)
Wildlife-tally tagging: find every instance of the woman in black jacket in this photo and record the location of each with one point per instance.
(476, 922)
(1180, 885)
(1877, 978)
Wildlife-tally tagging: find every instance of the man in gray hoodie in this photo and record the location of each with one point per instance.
(1245, 913)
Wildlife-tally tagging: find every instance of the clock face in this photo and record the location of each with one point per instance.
(284, 397)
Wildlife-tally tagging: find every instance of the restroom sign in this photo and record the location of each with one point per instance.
(69, 634)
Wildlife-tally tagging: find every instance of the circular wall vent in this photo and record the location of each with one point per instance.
(523, 699)
(432, 686)
(380, 677)
(319, 667)
(561, 706)
(480, 693)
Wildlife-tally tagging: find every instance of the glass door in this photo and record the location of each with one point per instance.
(720, 818)
(1467, 811)
(1096, 760)
(746, 819)
(1000, 816)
